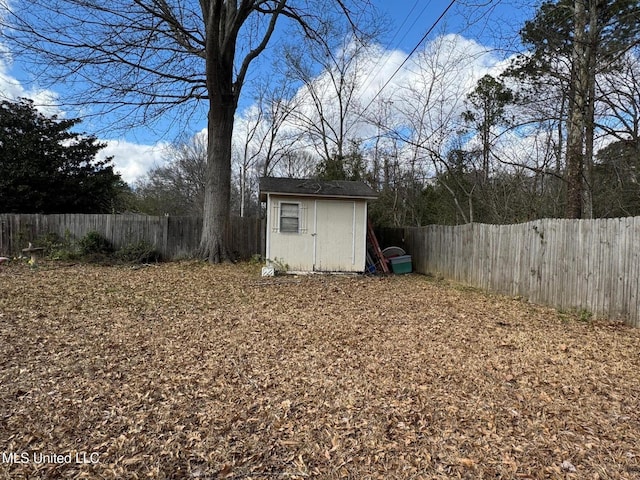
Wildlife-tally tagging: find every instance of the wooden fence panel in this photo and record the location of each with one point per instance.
(569, 264)
(173, 237)
(182, 236)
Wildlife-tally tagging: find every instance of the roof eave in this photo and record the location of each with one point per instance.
(264, 194)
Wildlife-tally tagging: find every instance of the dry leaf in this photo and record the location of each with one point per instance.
(567, 466)
(466, 462)
(211, 371)
(226, 471)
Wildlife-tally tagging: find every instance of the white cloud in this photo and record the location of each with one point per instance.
(450, 63)
(379, 68)
(433, 84)
(133, 160)
(12, 89)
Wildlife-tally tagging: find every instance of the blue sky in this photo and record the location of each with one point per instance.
(489, 22)
(493, 24)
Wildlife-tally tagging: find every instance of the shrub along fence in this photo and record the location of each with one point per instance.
(591, 265)
(172, 237)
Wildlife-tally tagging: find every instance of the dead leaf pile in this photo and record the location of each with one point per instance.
(186, 370)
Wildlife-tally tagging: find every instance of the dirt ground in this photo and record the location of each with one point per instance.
(186, 370)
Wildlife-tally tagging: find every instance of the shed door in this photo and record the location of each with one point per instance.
(334, 236)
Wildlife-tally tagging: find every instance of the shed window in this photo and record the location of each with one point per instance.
(289, 218)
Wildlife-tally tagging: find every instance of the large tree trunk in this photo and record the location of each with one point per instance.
(220, 21)
(592, 56)
(577, 114)
(575, 168)
(217, 201)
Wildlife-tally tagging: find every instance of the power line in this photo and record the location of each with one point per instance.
(424, 37)
(380, 63)
(405, 21)
(415, 19)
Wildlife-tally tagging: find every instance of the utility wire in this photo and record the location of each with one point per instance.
(405, 21)
(415, 19)
(424, 37)
(380, 63)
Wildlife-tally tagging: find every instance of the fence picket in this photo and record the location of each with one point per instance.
(568, 264)
(173, 237)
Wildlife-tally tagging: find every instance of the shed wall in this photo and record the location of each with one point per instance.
(332, 235)
(292, 249)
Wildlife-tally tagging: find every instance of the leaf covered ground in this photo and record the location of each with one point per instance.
(186, 370)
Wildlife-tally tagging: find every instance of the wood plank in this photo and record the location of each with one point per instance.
(591, 264)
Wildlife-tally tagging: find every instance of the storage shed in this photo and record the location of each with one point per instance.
(316, 225)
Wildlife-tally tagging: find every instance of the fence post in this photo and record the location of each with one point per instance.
(165, 237)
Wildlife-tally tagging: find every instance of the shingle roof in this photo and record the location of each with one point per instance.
(315, 188)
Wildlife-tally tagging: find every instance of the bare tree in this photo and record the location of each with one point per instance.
(328, 102)
(619, 91)
(247, 150)
(177, 187)
(431, 110)
(278, 139)
(261, 138)
(385, 146)
(295, 164)
(154, 55)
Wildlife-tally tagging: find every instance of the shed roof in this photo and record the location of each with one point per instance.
(315, 188)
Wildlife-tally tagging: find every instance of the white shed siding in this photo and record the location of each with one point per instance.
(332, 234)
(292, 249)
(340, 239)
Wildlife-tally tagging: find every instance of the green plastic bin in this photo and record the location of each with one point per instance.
(401, 264)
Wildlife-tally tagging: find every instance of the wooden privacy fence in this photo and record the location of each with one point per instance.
(173, 237)
(569, 264)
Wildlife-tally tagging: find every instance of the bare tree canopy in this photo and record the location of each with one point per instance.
(150, 56)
